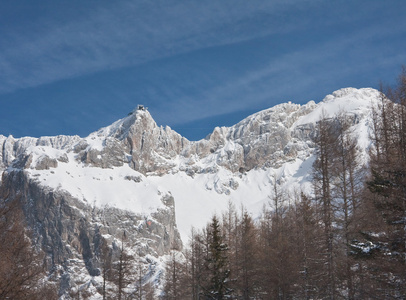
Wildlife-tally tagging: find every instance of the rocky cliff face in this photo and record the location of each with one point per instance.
(147, 182)
(71, 232)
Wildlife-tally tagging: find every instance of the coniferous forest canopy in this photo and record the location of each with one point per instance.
(347, 240)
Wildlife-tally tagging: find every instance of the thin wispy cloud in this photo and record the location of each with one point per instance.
(129, 33)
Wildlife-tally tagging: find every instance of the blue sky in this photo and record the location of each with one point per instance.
(71, 67)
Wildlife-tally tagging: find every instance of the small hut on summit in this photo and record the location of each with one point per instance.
(139, 107)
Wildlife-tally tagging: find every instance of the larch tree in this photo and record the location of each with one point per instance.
(22, 269)
(247, 277)
(347, 176)
(322, 182)
(197, 257)
(306, 234)
(105, 257)
(276, 255)
(175, 278)
(122, 269)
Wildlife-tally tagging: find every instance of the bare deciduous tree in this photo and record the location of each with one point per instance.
(22, 272)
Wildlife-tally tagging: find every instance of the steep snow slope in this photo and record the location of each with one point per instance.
(283, 131)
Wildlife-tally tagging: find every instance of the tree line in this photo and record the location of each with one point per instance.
(347, 240)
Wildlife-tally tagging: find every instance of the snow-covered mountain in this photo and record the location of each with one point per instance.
(155, 184)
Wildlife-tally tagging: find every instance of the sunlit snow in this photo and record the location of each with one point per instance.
(198, 196)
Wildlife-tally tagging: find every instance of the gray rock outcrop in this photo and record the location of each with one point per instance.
(71, 232)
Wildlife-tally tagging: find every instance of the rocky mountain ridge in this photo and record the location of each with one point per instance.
(151, 183)
(259, 140)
